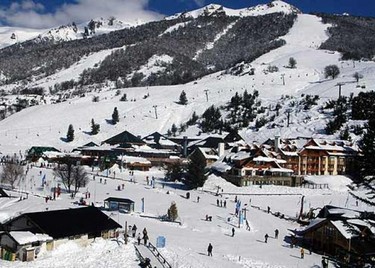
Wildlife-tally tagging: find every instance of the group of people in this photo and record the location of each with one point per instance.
(266, 236)
(133, 231)
(221, 203)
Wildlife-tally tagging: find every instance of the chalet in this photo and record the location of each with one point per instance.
(307, 156)
(81, 224)
(120, 204)
(347, 234)
(159, 141)
(205, 155)
(134, 163)
(208, 142)
(326, 157)
(36, 152)
(23, 245)
(124, 139)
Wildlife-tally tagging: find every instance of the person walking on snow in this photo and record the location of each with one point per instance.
(302, 253)
(139, 238)
(134, 230)
(233, 231)
(276, 233)
(145, 236)
(209, 249)
(265, 238)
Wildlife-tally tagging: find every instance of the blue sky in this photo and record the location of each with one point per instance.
(51, 13)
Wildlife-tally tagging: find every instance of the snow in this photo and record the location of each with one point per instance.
(336, 183)
(187, 243)
(268, 159)
(259, 10)
(27, 237)
(179, 251)
(21, 34)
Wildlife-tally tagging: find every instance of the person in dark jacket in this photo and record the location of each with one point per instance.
(209, 249)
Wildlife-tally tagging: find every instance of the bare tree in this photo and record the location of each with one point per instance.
(64, 171)
(331, 71)
(80, 178)
(12, 172)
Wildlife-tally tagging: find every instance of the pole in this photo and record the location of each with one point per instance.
(126, 233)
(283, 77)
(339, 85)
(156, 113)
(206, 91)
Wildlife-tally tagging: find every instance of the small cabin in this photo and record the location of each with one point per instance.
(120, 204)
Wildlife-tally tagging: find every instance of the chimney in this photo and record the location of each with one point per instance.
(221, 149)
(184, 146)
(277, 143)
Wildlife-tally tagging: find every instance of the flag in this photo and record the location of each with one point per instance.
(43, 179)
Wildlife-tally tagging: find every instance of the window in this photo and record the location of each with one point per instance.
(329, 231)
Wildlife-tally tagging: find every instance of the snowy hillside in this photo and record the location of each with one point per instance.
(73, 32)
(11, 35)
(48, 124)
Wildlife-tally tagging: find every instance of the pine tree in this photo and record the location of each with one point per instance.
(95, 128)
(195, 173)
(70, 134)
(115, 116)
(292, 63)
(183, 99)
(174, 129)
(367, 163)
(172, 212)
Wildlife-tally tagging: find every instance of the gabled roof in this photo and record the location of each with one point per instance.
(120, 200)
(3, 193)
(41, 149)
(208, 142)
(157, 138)
(124, 137)
(67, 222)
(90, 144)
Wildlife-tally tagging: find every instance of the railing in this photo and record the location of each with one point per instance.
(140, 257)
(158, 255)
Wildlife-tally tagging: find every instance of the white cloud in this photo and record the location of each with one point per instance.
(200, 3)
(29, 13)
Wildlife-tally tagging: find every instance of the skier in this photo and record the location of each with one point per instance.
(233, 231)
(209, 249)
(217, 202)
(197, 197)
(235, 199)
(139, 238)
(268, 209)
(225, 203)
(302, 253)
(265, 238)
(145, 236)
(221, 203)
(134, 230)
(276, 233)
(247, 225)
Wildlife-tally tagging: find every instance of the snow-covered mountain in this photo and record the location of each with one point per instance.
(13, 35)
(259, 10)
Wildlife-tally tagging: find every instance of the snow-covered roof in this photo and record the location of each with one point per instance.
(220, 166)
(283, 170)
(26, 237)
(345, 229)
(148, 149)
(133, 159)
(208, 153)
(268, 159)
